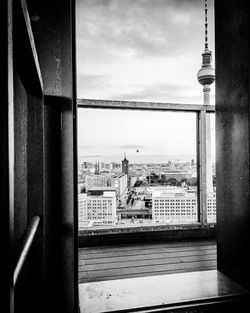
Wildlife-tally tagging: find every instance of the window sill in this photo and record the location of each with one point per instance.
(181, 290)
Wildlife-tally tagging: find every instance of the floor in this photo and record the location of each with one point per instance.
(141, 260)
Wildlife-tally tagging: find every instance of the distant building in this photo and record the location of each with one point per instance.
(117, 182)
(174, 205)
(122, 187)
(100, 209)
(97, 168)
(108, 166)
(178, 206)
(98, 191)
(211, 208)
(115, 165)
(125, 165)
(84, 166)
(95, 180)
(80, 187)
(133, 180)
(177, 175)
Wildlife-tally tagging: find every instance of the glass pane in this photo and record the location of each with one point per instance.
(211, 169)
(136, 168)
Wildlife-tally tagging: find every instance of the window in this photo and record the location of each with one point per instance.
(97, 162)
(96, 171)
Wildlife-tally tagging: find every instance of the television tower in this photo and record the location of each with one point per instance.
(206, 76)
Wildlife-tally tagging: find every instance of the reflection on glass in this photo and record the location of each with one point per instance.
(136, 168)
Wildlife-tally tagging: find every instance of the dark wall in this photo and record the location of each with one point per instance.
(53, 28)
(21, 137)
(38, 154)
(232, 138)
(20, 181)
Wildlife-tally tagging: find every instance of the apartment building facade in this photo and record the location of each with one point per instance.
(99, 209)
(178, 206)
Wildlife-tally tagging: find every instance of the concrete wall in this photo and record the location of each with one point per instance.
(232, 138)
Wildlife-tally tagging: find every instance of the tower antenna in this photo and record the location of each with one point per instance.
(206, 25)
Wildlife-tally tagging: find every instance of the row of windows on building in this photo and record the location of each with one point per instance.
(181, 209)
(174, 201)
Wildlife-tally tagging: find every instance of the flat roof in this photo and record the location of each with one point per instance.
(176, 193)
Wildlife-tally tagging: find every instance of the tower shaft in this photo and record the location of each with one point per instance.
(206, 95)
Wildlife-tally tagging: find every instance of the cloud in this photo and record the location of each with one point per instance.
(87, 146)
(90, 156)
(143, 28)
(115, 36)
(92, 80)
(132, 147)
(152, 93)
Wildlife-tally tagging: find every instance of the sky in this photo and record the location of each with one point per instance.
(140, 50)
(139, 133)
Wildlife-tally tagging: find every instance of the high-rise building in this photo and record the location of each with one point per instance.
(122, 187)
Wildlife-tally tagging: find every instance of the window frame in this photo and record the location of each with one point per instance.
(201, 112)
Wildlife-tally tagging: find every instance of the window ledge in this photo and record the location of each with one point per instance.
(135, 229)
(144, 294)
(145, 234)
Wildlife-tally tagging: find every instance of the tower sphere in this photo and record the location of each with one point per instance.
(206, 75)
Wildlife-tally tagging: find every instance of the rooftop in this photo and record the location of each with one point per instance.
(170, 193)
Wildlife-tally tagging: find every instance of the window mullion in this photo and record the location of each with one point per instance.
(202, 166)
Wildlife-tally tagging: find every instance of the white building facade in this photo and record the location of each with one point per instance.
(101, 210)
(211, 207)
(178, 206)
(122, 187)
